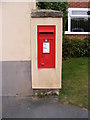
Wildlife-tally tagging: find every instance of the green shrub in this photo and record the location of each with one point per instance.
(76, 47)
(66, 47)
(87, 45)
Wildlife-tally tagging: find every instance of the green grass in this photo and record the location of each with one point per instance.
(75, 82)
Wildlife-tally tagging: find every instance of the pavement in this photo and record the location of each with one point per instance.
(32, 107)
(0, 107)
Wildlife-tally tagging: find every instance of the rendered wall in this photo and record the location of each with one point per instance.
(46, 78)
(16, 61)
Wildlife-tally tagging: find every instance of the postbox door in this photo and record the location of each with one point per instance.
(46, 46)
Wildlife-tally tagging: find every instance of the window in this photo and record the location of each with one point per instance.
(78, 21)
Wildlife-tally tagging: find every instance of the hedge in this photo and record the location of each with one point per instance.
(76, 47)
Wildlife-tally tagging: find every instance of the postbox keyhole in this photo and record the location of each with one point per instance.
(45, 39)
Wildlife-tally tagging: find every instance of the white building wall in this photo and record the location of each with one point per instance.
(16, 64)
(16, 31)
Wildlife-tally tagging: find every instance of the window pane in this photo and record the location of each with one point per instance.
(88, 12)
(80, 24)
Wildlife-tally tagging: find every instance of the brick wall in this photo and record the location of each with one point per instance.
(78, 4)
(76, 35)
(89, 4)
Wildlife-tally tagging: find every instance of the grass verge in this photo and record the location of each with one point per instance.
(75, 82)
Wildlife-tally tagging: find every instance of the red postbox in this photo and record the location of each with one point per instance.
(46, 46)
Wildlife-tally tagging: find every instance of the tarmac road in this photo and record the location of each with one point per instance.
(28, 107)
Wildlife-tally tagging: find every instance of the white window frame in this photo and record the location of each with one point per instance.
(79, 16)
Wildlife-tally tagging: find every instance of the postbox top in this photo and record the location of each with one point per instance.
(43, 13)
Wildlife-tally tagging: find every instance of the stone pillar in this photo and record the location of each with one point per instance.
(46, 80)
